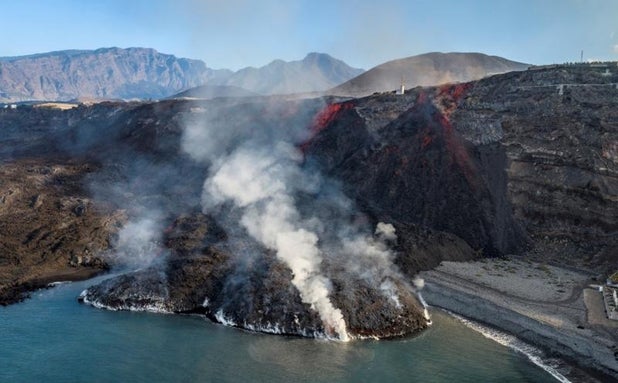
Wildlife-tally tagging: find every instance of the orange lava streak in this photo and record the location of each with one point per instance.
(323, 119)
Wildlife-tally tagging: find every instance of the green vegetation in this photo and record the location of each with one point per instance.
(614, 277)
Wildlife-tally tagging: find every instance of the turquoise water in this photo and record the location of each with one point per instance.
(53, 338)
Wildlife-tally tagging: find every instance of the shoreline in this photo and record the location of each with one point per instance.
(532, 308)
(534, 354)
(22, 290)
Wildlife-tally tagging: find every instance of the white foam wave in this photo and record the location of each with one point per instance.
(221, 318)
(532, 353)
(278, 329)
(155, 307)
(57, 283)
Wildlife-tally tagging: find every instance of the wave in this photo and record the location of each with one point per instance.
(57, 283)
(156, 307)
(534, 354)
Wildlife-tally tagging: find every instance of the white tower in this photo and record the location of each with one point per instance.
(402, 87)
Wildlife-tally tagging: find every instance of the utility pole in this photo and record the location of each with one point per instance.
(581, 57)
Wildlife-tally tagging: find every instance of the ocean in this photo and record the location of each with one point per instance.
(53, 338)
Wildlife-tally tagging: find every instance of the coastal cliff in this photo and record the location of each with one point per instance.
(519, 163)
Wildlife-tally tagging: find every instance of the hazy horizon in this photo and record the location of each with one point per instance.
(242, 33)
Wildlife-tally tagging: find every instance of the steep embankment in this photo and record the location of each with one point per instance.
(437, 157)
(559, 129)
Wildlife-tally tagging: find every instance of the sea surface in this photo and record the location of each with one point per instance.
(53, 338)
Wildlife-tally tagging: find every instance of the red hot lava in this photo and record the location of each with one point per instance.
(446, 99)
(323, 119)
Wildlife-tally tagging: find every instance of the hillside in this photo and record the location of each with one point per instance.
(426, 70)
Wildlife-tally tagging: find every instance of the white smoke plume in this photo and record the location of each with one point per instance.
(260, 182)
(138, 242)
(386, 231)
(257, 171)
(419, 283)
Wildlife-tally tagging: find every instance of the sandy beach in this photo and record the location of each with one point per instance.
(550, 307)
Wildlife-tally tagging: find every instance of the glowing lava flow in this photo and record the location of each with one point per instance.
(323, 119)
(440, 111)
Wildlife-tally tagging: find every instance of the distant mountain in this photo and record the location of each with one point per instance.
(207, 92)
(316, 72)
(425, 70)
(102, 74)
(115, 73)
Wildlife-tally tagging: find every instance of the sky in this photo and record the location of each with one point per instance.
(238, 33)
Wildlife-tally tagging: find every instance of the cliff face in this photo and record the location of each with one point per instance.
(514, 162)
(418, 168)
(559, 130)
(510, 164)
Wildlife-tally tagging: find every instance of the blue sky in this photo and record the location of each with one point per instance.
(238, 33)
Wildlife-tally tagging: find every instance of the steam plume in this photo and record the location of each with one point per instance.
(138, 242)
(259, 182)
(258, 175)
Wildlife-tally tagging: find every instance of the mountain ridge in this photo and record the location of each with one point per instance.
(315, 72)
(101, 73)
(145, 73)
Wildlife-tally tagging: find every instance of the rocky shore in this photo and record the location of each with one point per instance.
(539, 304)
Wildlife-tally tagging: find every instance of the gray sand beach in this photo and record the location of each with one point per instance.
(547, 306)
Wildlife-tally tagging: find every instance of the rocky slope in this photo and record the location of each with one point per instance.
(428, 69)
(513, 163)
(437, 155)
(51, 228)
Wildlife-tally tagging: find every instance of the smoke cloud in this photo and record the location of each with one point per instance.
(386, 231)
(419, 283)
(258, 175)
(138, 242)
(261, 182)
